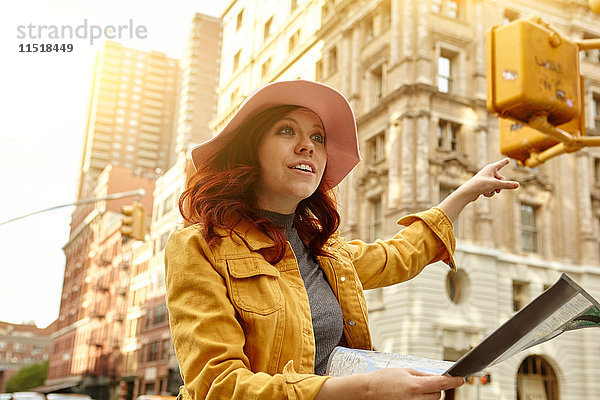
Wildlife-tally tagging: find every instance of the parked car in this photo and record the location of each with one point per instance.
(28, 396)
(5, 396)
(68, 396)
(155, 397)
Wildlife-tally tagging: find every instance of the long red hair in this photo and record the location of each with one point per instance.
(220, 194)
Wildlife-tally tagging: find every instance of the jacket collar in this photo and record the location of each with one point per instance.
(254, 238)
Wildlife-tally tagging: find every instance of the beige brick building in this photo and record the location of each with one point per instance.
(415, 74)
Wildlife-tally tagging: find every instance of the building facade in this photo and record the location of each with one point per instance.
(87, 352)
(150, 363)
(22, 345)
(415, 74)
(131, 117)
(151, 366)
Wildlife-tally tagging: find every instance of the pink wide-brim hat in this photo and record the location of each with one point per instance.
(330, 105)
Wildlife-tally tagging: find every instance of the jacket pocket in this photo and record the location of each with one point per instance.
(254, 286)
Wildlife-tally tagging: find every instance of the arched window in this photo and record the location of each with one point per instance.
(536, 380)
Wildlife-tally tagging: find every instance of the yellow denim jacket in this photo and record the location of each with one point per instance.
(242, 327)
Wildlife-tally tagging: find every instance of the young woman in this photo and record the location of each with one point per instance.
(261, 287)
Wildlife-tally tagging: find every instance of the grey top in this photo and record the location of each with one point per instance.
(325, 310)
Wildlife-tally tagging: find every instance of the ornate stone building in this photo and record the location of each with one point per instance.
(415, 74)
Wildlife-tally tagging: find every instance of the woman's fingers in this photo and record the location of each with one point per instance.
(437, 383)
(500, 164)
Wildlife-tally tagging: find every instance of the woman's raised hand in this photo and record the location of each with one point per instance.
(488, 181)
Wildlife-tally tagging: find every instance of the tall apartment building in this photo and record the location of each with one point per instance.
(22, 345)
(199, 79)
(414, 72)
(131, 117)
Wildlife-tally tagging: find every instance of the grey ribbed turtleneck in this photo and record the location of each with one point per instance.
(325, 310)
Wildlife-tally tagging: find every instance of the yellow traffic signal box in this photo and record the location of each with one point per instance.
(134, 221)
(518, 141)
(532, 70)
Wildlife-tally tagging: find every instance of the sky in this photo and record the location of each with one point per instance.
(44, 100)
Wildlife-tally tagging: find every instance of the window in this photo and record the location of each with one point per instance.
(168, 204)
(597, 170)
(376, 148)
(149, 315)
(319, 71)
(140, 268)
(376, 218)
(529, 235)
(294, 41)
(166, 344)
(142, 353)
(153, 351)
(447, 135)
(325, 11)
(163, 239)
(445, 81)
(267, 30)
(519, 294)
(266, 67)
(376, 78)
(448, 8)
(132, 361)
(235, 94)
(510, 16)
(239, 20)
(536, 379)
(19, 347)
(160, 313)
(452, 354)
(591, 55)
(139, 296)
(293, 5)
(236, 60)
(452, 9)
(369, 29)
(332, 64)
(596, 110)
(149, 388)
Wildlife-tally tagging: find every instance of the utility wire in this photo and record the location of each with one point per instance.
(114, 196)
